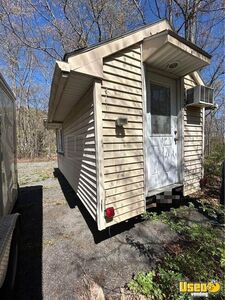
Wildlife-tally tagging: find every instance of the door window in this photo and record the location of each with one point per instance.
(160, 109)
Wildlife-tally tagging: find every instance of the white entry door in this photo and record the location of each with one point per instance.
(162, 162)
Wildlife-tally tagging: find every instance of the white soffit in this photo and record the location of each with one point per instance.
(75, 87)
(165, 50)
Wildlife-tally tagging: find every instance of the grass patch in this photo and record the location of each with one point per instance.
(198, 255)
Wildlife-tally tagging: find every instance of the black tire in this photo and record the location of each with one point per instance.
(6, 292)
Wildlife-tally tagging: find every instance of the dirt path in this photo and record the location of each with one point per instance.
(61, 248)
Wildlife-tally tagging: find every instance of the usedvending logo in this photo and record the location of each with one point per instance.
(199, 289)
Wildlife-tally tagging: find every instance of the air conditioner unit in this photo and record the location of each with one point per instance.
(200, 96)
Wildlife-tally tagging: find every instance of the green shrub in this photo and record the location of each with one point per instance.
(213, 162)
(158, 285)
(145, 283)
(201, 258)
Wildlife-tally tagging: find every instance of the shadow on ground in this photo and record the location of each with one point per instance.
(29, 274)
(135, 239)
(99, 236)
(73, 201)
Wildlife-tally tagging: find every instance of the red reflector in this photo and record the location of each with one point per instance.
(109, 212)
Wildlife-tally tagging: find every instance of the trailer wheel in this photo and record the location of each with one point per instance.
(7, 289)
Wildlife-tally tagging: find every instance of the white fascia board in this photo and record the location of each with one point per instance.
(93, 68)
(88, 59)
(61, 73)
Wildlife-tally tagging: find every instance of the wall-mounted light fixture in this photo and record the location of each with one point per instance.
(121, 121)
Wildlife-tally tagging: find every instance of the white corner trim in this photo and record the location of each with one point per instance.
(99, 154)
(144, 105)
(63, 66)
(198, 79)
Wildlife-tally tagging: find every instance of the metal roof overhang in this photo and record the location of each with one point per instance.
(166, 50)
(68, 87)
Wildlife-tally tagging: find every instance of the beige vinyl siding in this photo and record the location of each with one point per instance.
(78, 164)
(193, 144)
(123, 148)
(189, 82)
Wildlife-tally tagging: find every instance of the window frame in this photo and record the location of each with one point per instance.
(166, 85)
(59, 141)
(167, 131)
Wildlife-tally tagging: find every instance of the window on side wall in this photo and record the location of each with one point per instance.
(59, 141)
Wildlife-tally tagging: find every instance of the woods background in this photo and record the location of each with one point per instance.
(33, 34)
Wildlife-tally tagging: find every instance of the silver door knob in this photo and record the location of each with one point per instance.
(175, 139)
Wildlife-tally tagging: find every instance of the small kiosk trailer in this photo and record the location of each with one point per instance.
(129, 119)
(8, 191)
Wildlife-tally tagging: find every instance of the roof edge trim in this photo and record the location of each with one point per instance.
(188, 43)
(61, 68)
(86, 49)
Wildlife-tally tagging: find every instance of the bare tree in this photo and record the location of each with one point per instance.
(35, 33)
(201, 22)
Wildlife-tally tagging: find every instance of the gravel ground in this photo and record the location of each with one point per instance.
(61, 249)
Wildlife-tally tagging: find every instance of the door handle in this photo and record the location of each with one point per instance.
(175, 139)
